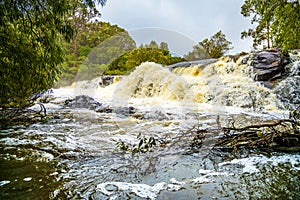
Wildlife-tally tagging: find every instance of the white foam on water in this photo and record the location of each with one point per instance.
(204, 171)
(141, 190)
(27, 179)
(202, 179)
(4, 182)
(250, 164)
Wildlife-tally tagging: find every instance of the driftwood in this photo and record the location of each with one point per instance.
(21, 116)
(282, 135)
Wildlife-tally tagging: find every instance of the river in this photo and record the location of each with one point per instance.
(75, 154)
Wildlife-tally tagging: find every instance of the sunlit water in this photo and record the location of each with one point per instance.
(74, 155)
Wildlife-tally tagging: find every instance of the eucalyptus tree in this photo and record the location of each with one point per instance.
(31, 32)
(31, 36)
(213, 47)
(82, 12)
(275, 21)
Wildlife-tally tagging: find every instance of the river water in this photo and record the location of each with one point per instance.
(74, 155)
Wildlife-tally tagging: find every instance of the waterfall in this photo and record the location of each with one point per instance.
(288, 90)
(223, 82)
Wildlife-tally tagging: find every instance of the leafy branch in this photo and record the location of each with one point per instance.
(144, 145)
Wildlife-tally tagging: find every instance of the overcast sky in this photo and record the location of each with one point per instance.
(180, 23)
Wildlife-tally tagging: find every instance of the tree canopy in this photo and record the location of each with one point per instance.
(214, 47)
(198, 53)
(130, 60)
(277, 22)
(104, 54)
(97, 47)
(31, 33)
(31, 37)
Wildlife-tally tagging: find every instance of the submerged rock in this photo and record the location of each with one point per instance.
(125, 111)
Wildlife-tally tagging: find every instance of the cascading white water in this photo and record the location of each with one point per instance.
(288, 90)
(152, 80)
(224, 83)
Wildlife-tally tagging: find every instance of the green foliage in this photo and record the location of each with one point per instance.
(98, 46)
(130, 60)
(214, 47)
(198, 53)
(277, 22)
(82, 12)
(217, 45)
(154, 45)
(31, 33)
(145, 145)
(164, 46)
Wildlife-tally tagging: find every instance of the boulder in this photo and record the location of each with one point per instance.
(269, 65)
(125, 111)
(84, 101)
(106, 80)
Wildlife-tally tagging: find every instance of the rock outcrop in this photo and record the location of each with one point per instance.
(269, 65)
(83, 101)
(87, 102)
(190, 63)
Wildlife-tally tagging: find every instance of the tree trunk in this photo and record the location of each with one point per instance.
(268, 35)
(74, 45)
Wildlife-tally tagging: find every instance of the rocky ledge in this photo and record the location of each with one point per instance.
(87, 102)
(269, 65)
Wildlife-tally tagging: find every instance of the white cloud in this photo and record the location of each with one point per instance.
(196, 19)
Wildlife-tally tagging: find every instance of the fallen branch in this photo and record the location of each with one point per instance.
(257, 126)
(280, 135)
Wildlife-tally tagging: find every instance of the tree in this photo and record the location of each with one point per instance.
(105, 53)
(277, 22)
(217, 45)
(134, 58)
(164, 46)
(31, 33)
(152, 45)
(31, 37)
(82, 12)
(214, 47)
(198, 53)
(97, 46)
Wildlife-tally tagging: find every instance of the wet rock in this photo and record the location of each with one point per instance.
(108, 80)
(83, 101)
(104, 109)
(269, 65)
(125, 111)
(192, 63)
(111, 187)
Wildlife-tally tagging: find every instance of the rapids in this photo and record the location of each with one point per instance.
(221, 83)
(74, 155)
